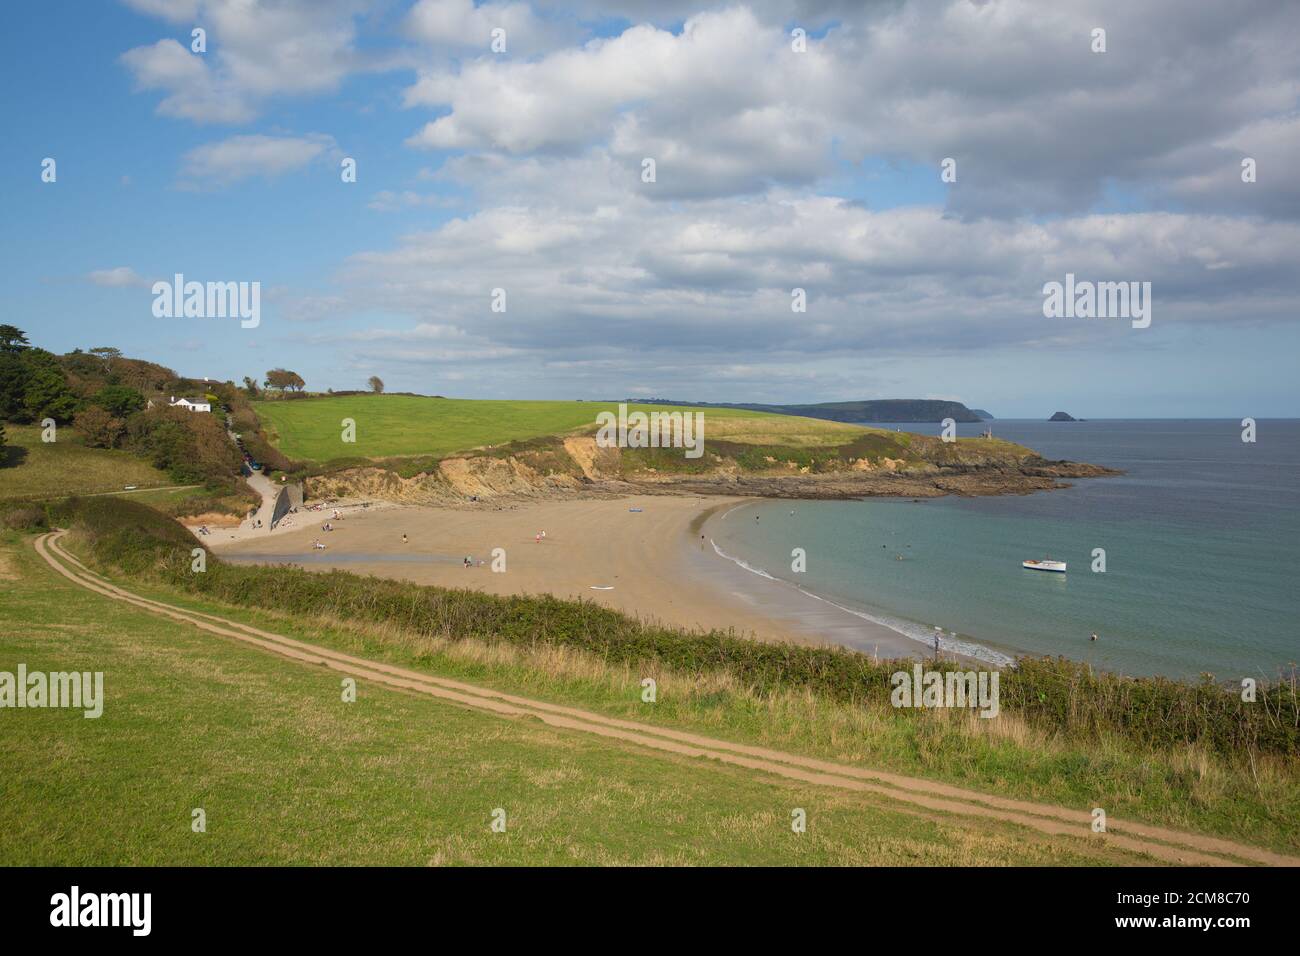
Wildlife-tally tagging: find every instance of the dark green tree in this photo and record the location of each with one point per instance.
(13, 383)
(119, 399)
(12, 339)
(47, 396)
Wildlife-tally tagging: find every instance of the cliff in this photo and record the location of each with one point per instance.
(879, 464)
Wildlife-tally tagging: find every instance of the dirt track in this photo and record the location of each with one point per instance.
(926, 797)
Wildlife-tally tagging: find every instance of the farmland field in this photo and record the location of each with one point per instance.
(397, 425)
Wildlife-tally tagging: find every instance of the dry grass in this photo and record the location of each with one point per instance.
(787, 430)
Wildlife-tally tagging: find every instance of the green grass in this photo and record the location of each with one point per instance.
(288, 773)
(400, 425)
(34, 469)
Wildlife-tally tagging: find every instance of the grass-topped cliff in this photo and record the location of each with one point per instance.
(415, 448)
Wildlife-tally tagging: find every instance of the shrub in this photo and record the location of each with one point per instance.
(25, 518)
(98, 427)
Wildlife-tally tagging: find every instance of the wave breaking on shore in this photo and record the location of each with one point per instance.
(918, 633)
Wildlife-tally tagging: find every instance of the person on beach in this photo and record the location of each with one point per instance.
(537, 538)
(403, 537)
(937, 632)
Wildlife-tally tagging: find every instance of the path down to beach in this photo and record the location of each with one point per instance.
(923, 797)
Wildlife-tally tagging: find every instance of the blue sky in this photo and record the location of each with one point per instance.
(776, 169)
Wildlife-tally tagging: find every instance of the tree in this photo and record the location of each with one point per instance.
(98, 426)
(33, 386)
(47, 396)
(187, 446)
(376, 384)
(13, 383)
(106, 355)
(282, 378)
(148, 377)
(120, 400)
(250, 386)
(12, 339)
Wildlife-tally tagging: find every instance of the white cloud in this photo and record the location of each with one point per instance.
(714, 279)
(387, 200)
(1036, 121)
(175, 11)
(240, 157)
(193, 92)
(255, 51)
(116, 277)
(461, 25)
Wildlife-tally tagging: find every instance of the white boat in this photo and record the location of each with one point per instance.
(1044, 565)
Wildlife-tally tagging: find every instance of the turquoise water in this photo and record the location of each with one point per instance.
(1200, 538)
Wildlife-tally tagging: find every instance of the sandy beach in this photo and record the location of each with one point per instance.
(642, 555)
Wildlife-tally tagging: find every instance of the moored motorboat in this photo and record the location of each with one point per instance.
(1045, 564)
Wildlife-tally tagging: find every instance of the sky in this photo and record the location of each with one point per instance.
(796, 145)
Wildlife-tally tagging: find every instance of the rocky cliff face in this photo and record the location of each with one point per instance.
(577, 466)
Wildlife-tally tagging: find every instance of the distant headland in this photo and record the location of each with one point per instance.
(874, 411)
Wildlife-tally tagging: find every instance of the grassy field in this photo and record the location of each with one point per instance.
(400, 425)
(287, 773)
(35, 469)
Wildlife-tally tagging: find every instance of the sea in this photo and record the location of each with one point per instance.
(1183, 566)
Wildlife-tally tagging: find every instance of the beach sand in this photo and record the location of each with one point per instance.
(650, 563)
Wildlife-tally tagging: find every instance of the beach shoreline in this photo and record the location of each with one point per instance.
(648, 556)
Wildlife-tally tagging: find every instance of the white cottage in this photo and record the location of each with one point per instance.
(193, 405)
